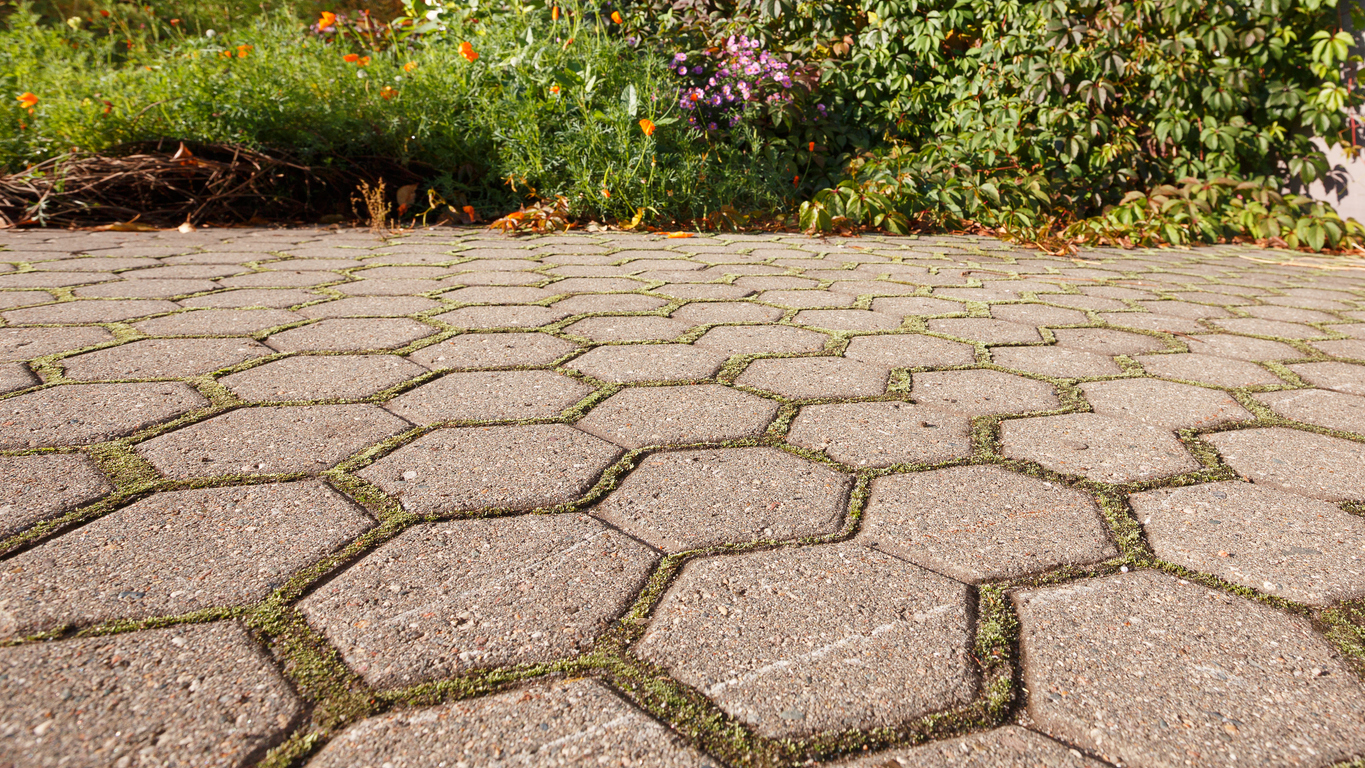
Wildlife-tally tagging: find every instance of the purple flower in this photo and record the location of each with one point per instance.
(710, 126)
(679, 58)
(682, 70)
(697, 70)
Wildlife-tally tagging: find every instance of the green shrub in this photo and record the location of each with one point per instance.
(547, 108)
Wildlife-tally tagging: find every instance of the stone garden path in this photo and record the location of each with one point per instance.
(299, 497)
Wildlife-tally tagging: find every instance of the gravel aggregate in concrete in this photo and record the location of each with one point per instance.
(1164, 403)
(649, 362)
(162, 359)
(909, 350)
(442, 598)
(321, 377)
(1327, 468)
(981, 523)
(196, 695)
(15, 376)
(1321, 407)
(350, 335)
(1008, 746)
(982, 392)
(1145, 669)
(490, 396)
(493, 350)
(1339, 377)
(80, 414)
(28, 343)
(882, 434)
(469, 468)
(804, 378)
(38, 487)
(762, 340)
(1097, 447)
(678, 415)
(683, 500)
(1208, 369)
(1058, 362)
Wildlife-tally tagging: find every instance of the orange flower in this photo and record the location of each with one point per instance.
(554, 13)
(351, 58)
(796, 180)
(27, 100)
(554, 90)
(678, 235)
(388, 92)
(175, 22)
(647, 126)
(327, 20)
(364, 61)
(812, 146)
(467, 51)
(410, 66)
(243, 50)
(606, 193)
(105, 14)
(616, 17)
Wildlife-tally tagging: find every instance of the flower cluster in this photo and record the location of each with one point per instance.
(722, 84)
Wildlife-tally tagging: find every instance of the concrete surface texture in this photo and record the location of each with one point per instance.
(447, 498)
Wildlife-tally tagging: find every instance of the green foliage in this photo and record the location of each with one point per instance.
(546, 109)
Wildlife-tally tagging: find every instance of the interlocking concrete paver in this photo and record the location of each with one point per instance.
(222, 322)
(370, 306)
(679, 415)
(162, 359)
(882, 434)
(502, 317)
(176, 552)
(493, 350)
(715, 312)
(982, 523)
(1241, 347)
(252, 297)
(1055, 361)
(815, 377)
(443, 598)
(29, 343)
(1008, 746)
(42, 486)
(490, 396)
(985, 330)
(80, 414)
(1272, 541)
(514, 467)
(1276, 328)
(270, 440)
(916, 306)
(982, 392)
(15, 376)
(1164, 403)
(629, 328)
(1337, 376)
(201, 695)
(649, 362)
(91, 311)
(555, 723)
(1346, 348)
(12, 299)
(1038, 315)
(1208, 369)
(609, 302)
(806, 299)
(350, 335)
(763, 340)
(1098, 447)
(149, 288)
(846, 320)
(1107, 341)
(1145, 669)
(498, 295)
(1321, 407)
(795, 641)
(1328, 468)
(321, 377)
(685, 500)
(909, 350)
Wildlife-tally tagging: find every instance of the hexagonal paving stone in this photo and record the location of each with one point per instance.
(93, 311)
(502, 317)
(1218, 371)
(906, 306)
(1278, 328)
(177, 552)
(1144, 669)
(252, 297)
(1008, 746)
(490, 396)
(801, 640)
(629, 328)
(42, 486)
(1315, 406)
(370, 306)
(28, 343)
(80, 414)
(1273, 541)
(219, 322)
(1098, 447)
(1164, 403)
(982, 393)
(762, 340)
(146, 289)
(493, 350)
(162, 359)
(201, 695)
(806, 299)
(1038, 315)
(552, 723)
(649, 362)
(1240, 347)
(882, 434)
(985, 330)
(609, 302)
(1314, 465)
(813, 377)
(510, 467)
(1341, 377)
(1107, 341)
(708, 313)
(1349, 348)
(909, 350)
(443, 598)
(1059, 362)
(270, 440)
(685, 500)
(346, 335)
(680, 415)
(321, 377)
(15, 376)
(1149, 322)
(981, 523)
(847, 320)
